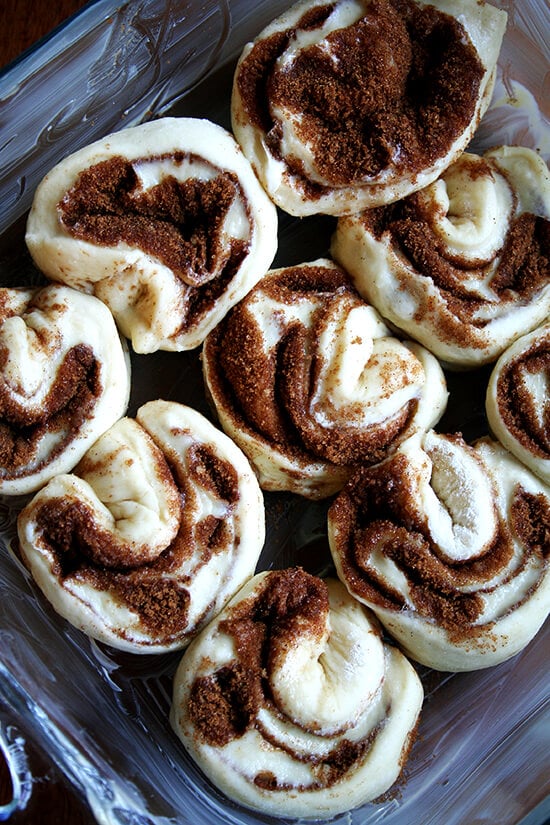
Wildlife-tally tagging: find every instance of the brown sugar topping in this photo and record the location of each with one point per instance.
(212, 473)
(525, 260)
(224, 705)
(66, 408)
(162, 604)
(181, 223)
(396, 87)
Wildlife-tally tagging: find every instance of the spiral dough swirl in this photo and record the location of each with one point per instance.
(342, 105)
(165, 222)
(518, 400)
(463, 265)
(290, 701)
(64, 380)
(158, 527)
(448, 544)
(309, 381)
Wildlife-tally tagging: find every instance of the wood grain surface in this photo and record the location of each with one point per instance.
(53, 801)
(24, 22)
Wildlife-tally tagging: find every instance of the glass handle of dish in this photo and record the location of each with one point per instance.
(12, 752)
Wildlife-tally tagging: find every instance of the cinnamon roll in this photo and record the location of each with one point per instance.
(518, 400)
(310, 382)
(161, 523)
(291, 703)
(342, 105)
(448, 544)
(64, 380)
(165, 222)
(462, 266)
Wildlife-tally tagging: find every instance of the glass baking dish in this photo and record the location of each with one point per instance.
(483, 749)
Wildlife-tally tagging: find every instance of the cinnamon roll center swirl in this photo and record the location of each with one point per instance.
(288, 635)
(223, 705)
(67, 406)
(388, 82)
(464, 233)
(178, 208)
(312, 368)
(523, 399)
(395, 550)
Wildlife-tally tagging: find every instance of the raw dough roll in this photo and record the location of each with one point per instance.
(64, 380)
(165, 222)
(161, 523)
(346, 105)
(461, 266)
(518, 400)
(448, 544)
(310, 382)
(291, 703)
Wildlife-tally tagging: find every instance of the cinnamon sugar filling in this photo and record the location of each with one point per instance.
(86, 553)
(376, 513)
(521, 270)
(225, 704)
(515, 405)
(269, 390)
(67, 407)
(398, 86)
(181, 223)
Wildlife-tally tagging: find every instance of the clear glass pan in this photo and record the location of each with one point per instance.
(483, 751)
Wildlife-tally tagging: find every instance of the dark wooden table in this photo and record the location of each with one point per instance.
(24, 22)
(53, 802)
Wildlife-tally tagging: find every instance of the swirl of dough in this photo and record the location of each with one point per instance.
(165, 222)
(290, 701)
(518, 400)
(342, 105)
(64, 380)
(461, 266)
(309, 381)
(160, 524)
(448, 544)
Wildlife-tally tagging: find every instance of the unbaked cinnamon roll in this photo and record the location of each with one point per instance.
(448, 544)
(518, 400)
(64, 380)
(161, 523)
(462, 266)
(342, 105)
(165, 222)
(291, 703)
(310, 382)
